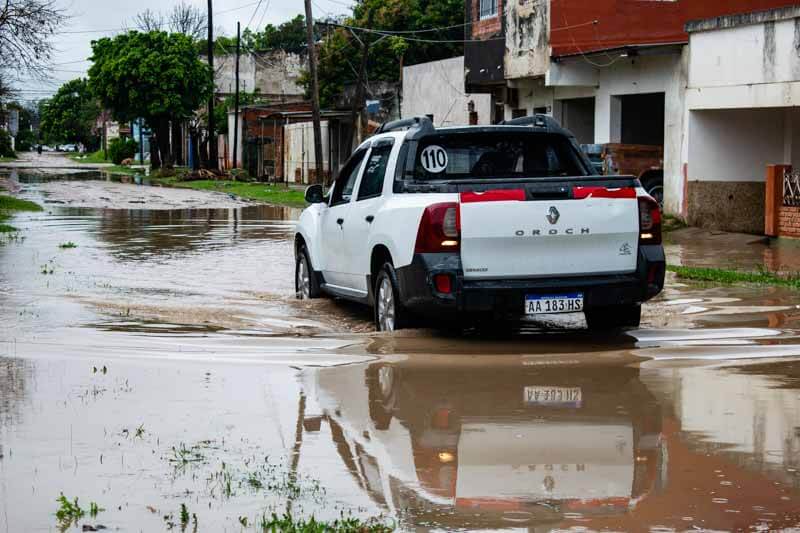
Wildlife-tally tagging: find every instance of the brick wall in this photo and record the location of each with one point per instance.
(780, 220)
(789, 221)
(487, 27)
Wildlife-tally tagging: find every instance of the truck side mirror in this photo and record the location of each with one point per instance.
(314, 194)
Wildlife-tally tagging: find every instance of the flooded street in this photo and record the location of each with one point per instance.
(162, 361)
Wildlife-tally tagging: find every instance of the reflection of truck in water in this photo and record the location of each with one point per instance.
(646, 162)
(479, 447)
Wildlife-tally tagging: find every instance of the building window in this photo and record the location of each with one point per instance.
(488, 8)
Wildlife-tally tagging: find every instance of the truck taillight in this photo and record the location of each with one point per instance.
(649, 221)
(439, 229)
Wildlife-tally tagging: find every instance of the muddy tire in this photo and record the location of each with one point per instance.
(613, 317)
(390, 315)
(306, 285)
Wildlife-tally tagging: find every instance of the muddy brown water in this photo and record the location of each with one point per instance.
(164, 361)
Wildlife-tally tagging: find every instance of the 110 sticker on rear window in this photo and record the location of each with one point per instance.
(434, 159)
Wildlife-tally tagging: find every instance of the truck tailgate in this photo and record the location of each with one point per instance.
(504, 234)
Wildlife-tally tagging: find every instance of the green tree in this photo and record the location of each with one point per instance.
(70, 114)
(289, 36)
(157, 76)
(434, 23)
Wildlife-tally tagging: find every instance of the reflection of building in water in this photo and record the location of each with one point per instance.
(750, 417)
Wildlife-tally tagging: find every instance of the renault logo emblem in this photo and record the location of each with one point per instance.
(553, 215)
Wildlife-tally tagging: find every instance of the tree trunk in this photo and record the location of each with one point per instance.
(177, 145)
(155, 160)
(162, 134)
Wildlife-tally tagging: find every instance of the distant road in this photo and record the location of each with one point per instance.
(50, 160)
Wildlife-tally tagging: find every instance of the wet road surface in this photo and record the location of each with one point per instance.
(164, 361)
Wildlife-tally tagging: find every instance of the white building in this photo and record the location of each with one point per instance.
(742, 113)
(437, 89)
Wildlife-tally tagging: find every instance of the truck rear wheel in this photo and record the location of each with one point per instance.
(611, 317)
(390, 315)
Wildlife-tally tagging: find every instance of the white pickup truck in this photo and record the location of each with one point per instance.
(503, 222)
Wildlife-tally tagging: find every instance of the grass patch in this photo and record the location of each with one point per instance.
(4, 159)
(94, 157)
(719, 275)
(67, 245)
(273, 194)
(288, 524)
(9, 204)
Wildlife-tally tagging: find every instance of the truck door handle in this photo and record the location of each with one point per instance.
(340, 221)
(369, 218)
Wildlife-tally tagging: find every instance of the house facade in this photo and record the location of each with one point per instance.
(612, 71)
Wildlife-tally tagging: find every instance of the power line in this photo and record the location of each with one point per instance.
(127, 28)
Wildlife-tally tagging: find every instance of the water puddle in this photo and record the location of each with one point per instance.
(162, 364)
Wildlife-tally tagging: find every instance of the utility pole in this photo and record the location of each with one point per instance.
(312, 65)
(359, 96)
(236, 97)
(212, 144)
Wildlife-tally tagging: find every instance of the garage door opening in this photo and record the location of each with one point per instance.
(642, 119)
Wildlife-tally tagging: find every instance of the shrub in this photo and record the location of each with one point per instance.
(120, 149)
(5, 144)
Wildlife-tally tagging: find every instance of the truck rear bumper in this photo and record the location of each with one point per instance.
(504, 298)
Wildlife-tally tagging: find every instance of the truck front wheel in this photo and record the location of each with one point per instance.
(612, 317)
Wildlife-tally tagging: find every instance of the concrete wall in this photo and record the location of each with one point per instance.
(728, 152)
(437, 88)
(527, 38)
(299, 160)
(273, 73)
(749, 66)
(225, 73)
(278, 73)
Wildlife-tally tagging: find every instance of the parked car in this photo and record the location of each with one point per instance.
(502, 222)
(643, 161)
(67, 148)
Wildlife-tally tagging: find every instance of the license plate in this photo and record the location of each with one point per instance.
(554, 396)
(536, 304)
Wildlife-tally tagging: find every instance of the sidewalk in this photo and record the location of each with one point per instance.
(49, 161)
(697, 247)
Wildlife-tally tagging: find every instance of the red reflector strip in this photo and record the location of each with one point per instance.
(494, 504)
(495, 195)
(579, 193)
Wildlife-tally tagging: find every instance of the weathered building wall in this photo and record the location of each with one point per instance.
(581, 27)
(728, 155)
(484, 49)
(275, 73)
(742, 114)
(437, 88)
(278, 73)
(527, 38)
(225, 73)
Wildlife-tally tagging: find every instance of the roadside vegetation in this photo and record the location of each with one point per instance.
(9, 205)
(289, 524)
(729, 277)
(93, 158)
(273, 194)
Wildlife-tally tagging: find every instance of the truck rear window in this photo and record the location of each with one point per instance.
(496, 155)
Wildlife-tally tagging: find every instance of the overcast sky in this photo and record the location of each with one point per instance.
(91, 19)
